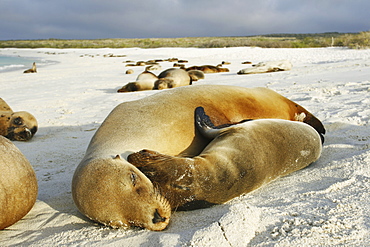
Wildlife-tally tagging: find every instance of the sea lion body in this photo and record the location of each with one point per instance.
(31, 70)
(208, 69)
(163, 122)
(18, 126)
(144, 81)
(18, 186)
(171, 78)
(267, 67)
(239, 159)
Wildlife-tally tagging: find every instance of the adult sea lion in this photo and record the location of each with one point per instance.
(17, 126)
(110, 190)
(196, 75)
(31, 70)
(144, 81)
(18, 184)
(171, 78)
(240, 158)
(208, 69)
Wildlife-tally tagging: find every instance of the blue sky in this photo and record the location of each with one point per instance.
(95, 19)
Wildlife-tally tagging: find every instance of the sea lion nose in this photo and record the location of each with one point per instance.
(157, 217)
(26, 134)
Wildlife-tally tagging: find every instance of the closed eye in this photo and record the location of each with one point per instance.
(134, 178)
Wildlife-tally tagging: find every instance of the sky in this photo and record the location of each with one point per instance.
(99, 19)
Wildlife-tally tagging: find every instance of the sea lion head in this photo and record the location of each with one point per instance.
(129, 87)
(163, 83)
(22, 126)
(117, 194)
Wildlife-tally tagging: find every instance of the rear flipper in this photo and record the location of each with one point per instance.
(205, 125)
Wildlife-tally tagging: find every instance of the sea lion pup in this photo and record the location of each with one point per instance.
(208, 69)
(171, 78)
(239, 159)
(144, 81)
(113, 192)
(32, 70)
(18, 186)
(196, 75)
(16, 126)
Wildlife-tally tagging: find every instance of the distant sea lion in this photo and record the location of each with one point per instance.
(17, 126)
(144, 81)
(240, 158)
(208, 69)
(129, 71)
(18, 186)
(171, 78)
(196, 75)
(111, 191)
(32, 70)
(266, 67)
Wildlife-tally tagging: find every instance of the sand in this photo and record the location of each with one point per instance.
(325, 204)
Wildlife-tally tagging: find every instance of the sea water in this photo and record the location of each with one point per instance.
(9, 63)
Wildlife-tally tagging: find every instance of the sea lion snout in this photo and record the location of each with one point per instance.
(158, 218)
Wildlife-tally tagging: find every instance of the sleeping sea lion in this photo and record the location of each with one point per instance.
(18, 184)
(16, 126)
(208, 69)
(144, 81)
(171, 78)
(240, 158)
(111, 191)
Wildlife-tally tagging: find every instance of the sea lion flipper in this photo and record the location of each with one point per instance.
(204, 124)
(149, 162)
(4, 106)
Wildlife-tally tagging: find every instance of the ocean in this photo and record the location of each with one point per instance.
(9, 63)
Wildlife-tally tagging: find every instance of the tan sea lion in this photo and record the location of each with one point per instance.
(208, 69)
(32, 70)
(171, 78)
(17, 126)
(144, 81)
(196, 75)
(113, 192)
(239, 159)
(18, 184)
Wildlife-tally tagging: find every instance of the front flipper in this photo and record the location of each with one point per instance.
(163, 168)
(4, 106)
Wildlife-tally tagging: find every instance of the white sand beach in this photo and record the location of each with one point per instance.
(325, 204)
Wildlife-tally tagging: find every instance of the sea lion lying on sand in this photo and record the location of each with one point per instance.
(144, 81)
(18, 184)
(171, 78)
(16, 126)
(208, 69)
(240, 158)
(266, 67)
(109, 190)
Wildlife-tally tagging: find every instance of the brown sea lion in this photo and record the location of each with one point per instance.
(17, 126)
(18, 184)
(32, 70)
(171, 78)
(208, 69)
(113, 192)
(240, 158)
(196, 75)
(144, 81)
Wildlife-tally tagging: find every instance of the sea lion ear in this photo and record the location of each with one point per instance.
(117, 157)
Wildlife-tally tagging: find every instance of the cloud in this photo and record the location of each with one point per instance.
(91, 19)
